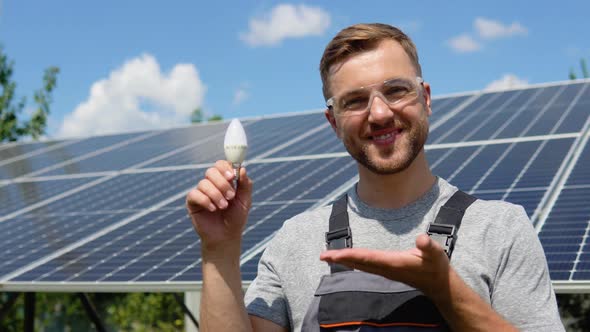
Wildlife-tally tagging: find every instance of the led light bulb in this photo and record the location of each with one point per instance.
(235, 146)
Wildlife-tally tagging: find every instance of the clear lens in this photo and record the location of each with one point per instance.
(396, 92)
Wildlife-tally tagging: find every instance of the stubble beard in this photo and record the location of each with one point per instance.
(393, 160)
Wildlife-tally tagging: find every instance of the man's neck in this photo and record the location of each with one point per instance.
(394, 191)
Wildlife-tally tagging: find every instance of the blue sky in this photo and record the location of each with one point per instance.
(129, 65)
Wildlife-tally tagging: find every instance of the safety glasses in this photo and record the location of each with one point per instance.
(396, 93)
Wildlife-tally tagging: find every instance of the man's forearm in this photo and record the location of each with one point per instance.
(222, 300)
(464, 310)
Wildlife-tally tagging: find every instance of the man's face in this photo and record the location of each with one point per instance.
(384, 139)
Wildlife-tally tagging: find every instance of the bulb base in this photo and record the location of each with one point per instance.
(236, 167)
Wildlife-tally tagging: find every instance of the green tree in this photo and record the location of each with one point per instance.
(198, 116)
(574, 310)
(583, 68)
(215, 118)
(11, 128)
(118, 311)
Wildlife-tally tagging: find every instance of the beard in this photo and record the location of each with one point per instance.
(392, 159)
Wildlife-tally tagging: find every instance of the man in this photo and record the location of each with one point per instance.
(378, 105)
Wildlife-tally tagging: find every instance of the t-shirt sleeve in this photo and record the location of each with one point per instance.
(522, 291)
(264, 297)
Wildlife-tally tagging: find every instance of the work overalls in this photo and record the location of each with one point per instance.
(348, 300)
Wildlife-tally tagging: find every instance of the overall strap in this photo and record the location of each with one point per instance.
(448, 220)
(339, 235)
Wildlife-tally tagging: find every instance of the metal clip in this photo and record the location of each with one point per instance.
(444, 235)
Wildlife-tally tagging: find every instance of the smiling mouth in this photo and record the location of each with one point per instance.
(385, 138)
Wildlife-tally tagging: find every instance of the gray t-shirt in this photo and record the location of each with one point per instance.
(497, 253)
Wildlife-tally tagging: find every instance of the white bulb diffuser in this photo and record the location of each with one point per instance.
(235, 145)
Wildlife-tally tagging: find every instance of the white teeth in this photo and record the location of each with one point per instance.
(386, 136)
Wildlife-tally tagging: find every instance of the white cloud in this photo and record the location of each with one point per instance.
(137, 96)
(464, 44)
(490, 29)
(240, 96)
(286, 21)
(507, 81)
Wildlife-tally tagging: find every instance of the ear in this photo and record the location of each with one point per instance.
(332, 120)
(427, 99)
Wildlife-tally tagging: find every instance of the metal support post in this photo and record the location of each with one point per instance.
(29, 312)
(91, 311)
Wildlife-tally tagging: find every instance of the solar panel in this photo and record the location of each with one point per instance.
(565, 232)
(13, 151)
(109, 210)
(157, 246)
(60, 154)
(136, 151)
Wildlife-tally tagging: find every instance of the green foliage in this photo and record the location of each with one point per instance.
(572, 74)
(215, 118)
(118, 311)
(583, 68)
(198, 116)
(574, 310)
(11, 129)
(146, 312)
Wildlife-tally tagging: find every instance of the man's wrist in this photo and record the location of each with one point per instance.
(221, 252)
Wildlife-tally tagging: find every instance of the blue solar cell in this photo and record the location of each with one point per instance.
(560, 256)
(61, 154)
(561, 266)
(553, 240)
(471, 171)
(16, 196)
(546, 163)
(324, 141)
(24, 240)
(157, 246)
(267, 134)
(20, 149)
(581, 173)
(506, 169)
(439, 133)
(515, 127)
(451, 160)
(486, 118)
(581, 275)
(559, 112)
(125, 192)
(140, 151)
(546, 95)
(443, 106)
(433, 155)
(576, 119)
(570, 215)
(529, 199)
(263, 135)
(558, 275)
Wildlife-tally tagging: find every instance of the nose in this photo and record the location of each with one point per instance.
(379, 111)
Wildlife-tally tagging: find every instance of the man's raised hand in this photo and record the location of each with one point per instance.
(219, 212)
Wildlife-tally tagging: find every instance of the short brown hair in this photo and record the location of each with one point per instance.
(360, 38)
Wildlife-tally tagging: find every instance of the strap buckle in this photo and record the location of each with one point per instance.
(339, 239)
(444, 234)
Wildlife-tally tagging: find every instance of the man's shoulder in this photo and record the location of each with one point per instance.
(497, 214)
